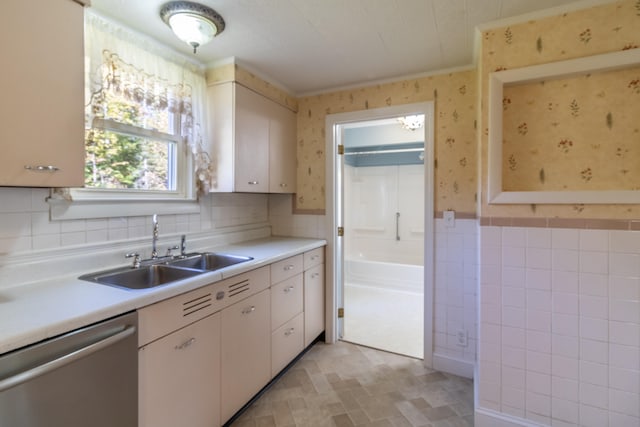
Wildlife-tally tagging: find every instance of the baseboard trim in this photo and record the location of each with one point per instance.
(452, 365)
(488, 418)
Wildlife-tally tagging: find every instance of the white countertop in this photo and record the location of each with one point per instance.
(40, 310)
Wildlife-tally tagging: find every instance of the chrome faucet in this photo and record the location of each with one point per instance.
(154, 240)
(183, 245)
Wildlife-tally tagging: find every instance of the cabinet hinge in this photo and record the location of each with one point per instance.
(340, 231)
(340, 149)
(340, 313)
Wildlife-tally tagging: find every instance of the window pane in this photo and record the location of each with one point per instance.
(115, 160)
(147, 113)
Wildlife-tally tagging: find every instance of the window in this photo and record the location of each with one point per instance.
(145, 110)
(135, 130)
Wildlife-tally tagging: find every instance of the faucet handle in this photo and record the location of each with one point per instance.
(136, 258)
(183, 245)
(171, 248)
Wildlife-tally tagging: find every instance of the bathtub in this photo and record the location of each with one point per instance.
(386, 275)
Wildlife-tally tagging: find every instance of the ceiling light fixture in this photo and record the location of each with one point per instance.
(412, 122)
(193, 23)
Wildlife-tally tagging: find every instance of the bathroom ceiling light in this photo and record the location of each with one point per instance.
(412, 122)
(193, 23)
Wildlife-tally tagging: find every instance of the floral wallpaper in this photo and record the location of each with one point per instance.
(234, 72)
(455, 135)
(578, 133)
(603, 155)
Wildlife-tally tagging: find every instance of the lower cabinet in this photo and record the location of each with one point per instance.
(246, 351)
(204, 354)
(179, 377)
(313, 303)
(314, 296)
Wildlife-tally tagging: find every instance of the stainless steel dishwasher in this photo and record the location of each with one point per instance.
(88, 377)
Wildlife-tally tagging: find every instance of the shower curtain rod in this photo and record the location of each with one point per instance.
(397, 150)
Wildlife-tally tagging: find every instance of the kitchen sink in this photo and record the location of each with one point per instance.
(144, 277)
(163, 271)
(209, 261)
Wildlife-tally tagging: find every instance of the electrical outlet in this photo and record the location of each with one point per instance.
(449, 218)
(461, 335)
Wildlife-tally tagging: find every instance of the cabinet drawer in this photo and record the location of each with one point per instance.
(313, 258)
(286, 300)
(244, 285)
(286, 268)
(162, 318)
(286, 343)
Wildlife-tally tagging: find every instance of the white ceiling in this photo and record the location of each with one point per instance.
(312, 45)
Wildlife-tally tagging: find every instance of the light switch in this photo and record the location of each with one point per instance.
(449, 218)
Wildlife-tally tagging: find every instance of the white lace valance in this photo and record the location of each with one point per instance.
(123, 64)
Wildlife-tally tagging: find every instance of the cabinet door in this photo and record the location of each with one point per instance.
(251, 141)
(42, 102)
(313, 303)
(246, 351)
(282, 150)
(179, 377)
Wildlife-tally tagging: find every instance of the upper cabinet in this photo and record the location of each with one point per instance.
(252, 141)
(42, 102)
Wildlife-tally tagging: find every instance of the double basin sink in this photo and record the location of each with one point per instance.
(163, 272)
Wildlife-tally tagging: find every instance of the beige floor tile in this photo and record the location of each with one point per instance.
(344, 385)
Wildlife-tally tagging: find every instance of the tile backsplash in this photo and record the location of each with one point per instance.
(25, 225)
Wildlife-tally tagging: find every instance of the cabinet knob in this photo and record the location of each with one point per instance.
(42, 168)
(288, 289)
(248, 310)
(314, 275)
(289, 331)
(253, 183)
(289, 267)
(283, 185)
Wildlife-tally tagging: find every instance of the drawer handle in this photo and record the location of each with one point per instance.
(314, 275)
(289, 267)
(186, 344)
(41, 168)
(315, 257)
(283, 185)
(289, 331)
(252, 182)
(249, 310)
(288, 289)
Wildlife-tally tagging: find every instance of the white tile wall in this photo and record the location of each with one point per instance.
(456, 250)
(559, 325)
(25, 224)
(284, 223)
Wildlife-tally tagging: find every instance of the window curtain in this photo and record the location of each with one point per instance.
(140, 69)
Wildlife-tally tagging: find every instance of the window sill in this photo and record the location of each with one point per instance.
(88, 208)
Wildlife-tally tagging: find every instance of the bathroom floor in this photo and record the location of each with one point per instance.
(384, 319)
(344, 384)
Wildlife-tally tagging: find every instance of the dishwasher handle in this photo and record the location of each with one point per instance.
(68, 358)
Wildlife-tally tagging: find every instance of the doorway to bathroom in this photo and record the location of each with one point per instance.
(382, 205)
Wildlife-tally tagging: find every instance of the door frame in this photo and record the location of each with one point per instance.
(333, 136)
